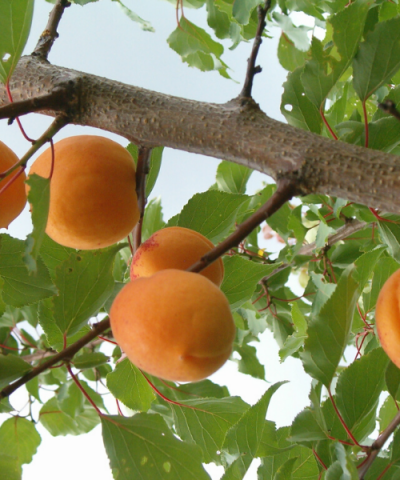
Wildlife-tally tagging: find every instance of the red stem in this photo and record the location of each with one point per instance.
(384, 471)
(18, 120)
(107, 340)
(365, 124)
(319, 459)
(334, 136)
(341, 420)
(78, 383)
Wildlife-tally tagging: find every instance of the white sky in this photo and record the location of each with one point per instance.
(100, 39)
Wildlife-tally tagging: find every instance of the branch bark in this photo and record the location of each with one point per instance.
(237, 131)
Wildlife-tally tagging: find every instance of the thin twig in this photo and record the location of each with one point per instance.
(252, 69)
(390, 107)
(142, 170)
(286, 189)
(48, 37)
(66, 354)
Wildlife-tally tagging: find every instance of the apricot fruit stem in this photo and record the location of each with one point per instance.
(286, 189)
(142, 170)
(59, 122)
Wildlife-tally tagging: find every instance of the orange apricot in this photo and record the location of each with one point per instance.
(174, 247)
(175, 325)
(13, 197)
(387, 317)
(93, 202)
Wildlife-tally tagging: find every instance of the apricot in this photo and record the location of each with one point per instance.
(387, 317)
(12, 198)
(93, 202)
(174, 247)
(175, 325)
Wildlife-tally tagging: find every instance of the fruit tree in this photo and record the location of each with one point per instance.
(100, 320)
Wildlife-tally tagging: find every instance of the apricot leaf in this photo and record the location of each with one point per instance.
(153, 218)
(211, 213)
(241, 278)
(328, 330)
(20, 288)
(205, 422)
(11, 368)
(358, 389)
(53, 254)
(143, 447)
(249, 362)
(128, 384)
(19, 438)
(39, 198)
(232, 177)
(76, 303)
(10, 468)
(15, 25)
(306, 428)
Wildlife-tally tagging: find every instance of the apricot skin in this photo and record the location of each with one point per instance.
(13, 198)
(175, 325)
(174, 247)
(93, 202)
(387, 317)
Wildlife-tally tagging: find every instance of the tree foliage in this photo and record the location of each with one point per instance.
(342, 252)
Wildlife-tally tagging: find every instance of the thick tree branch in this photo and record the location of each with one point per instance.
(237, 131)
(64, 355)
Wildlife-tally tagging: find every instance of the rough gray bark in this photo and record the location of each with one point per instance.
(237, 131)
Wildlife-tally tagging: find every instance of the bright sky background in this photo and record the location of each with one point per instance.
(100, 39)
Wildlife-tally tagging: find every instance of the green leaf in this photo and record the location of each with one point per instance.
(53, 254)
(378, 58)
(39, 198)
(153, 218)
(89, 360)
(295, 341)
(71, 399)
(358, 389)
(85, 281)
(128, 384)
(197, 48)
(20, 288)
(10, 468)
(306, 428)
(243, 439)
(249, 362)
(11, 368)
(241, 278)
(392, 379)
(285, 471)
(390, 234)
(298, 110)
(298, 35)
(205, 423)
(348, 27)
(289, 56)
(143, 447)
(146, 26)
(15, 25)
(387, 412)
(211, 213)
(365, 265)
(328, 331)
(242, 10)
(232, 177)
(19, 438)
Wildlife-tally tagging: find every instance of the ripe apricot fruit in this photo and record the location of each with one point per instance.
(93, 201)
(387, 317)
(12, 198)
(175, 325)
(174, 247)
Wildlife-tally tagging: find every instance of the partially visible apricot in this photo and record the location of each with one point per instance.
(174, 247)
(387, 317)
(93, 202)
(175, 325)
(12, 198)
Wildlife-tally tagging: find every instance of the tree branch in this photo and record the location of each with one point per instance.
(50, 33)
(286, 189)
(141, 175)
(64, 355)
(252, 69)
(237, 132)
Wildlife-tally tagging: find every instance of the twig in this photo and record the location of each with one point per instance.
(49, 35)
(141, 174)
(390, 107)
(378, 444)
(57, 99)
(252, 69)
(66, 354)
(55, 127)
(286, 189)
